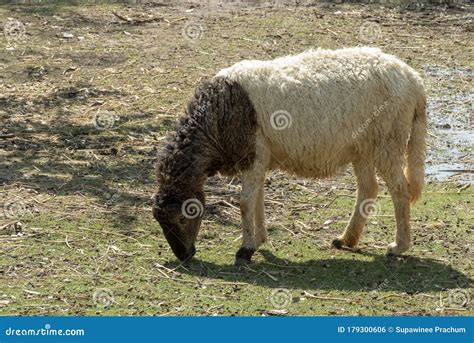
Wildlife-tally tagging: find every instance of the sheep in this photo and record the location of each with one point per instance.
(311, 115)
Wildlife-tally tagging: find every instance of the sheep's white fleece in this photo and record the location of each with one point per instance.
(343, 104)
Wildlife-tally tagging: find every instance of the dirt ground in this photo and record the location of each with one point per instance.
(87, 94)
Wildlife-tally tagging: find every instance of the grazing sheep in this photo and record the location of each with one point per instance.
(311, 115)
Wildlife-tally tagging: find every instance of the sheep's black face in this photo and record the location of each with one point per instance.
(180, 222)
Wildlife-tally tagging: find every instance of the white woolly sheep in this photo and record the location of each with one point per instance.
(311, 115)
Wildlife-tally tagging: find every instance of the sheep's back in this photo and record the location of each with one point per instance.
(337, 103)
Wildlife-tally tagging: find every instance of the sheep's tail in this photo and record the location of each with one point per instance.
(416, 151)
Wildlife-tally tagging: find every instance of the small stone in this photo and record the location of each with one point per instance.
(276, 312)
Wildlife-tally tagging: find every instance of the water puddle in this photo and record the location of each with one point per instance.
(451, 134)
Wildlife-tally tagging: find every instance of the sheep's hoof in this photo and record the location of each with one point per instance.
(243, 256)
(239, 262)
(393, 249)
(341, 244)
(338, 243)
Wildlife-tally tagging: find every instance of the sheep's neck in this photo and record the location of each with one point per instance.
(189, 171)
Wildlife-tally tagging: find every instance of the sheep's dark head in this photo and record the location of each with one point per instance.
(180, 221)
(215, 134)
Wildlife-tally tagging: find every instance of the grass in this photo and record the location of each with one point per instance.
(87, 243)
(61, 260)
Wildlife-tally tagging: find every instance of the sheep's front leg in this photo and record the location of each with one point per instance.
(252, 182)
(260, 229)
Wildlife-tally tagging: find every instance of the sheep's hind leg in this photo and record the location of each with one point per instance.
(366, 192)
(251, 182)
(399, 191)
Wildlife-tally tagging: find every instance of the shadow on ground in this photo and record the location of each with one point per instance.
(402, 274)
(67, 155)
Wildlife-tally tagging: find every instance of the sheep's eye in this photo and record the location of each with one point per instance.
(182, 220)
